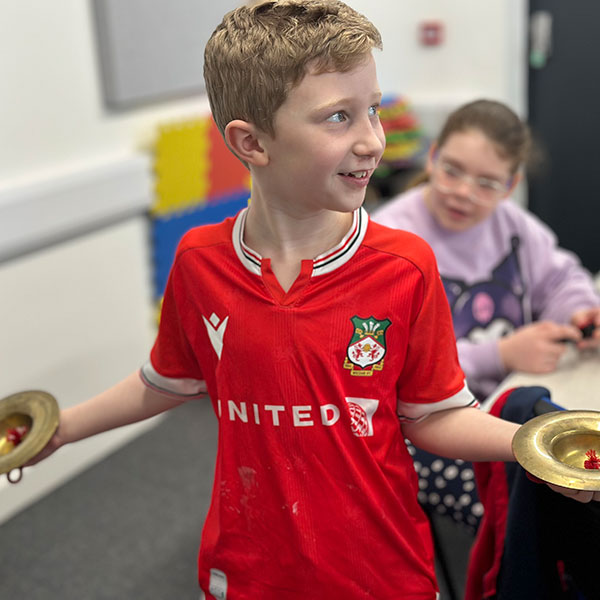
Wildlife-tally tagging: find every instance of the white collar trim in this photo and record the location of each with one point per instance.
(324, 263)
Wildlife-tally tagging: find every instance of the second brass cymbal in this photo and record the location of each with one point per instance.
(560, 448)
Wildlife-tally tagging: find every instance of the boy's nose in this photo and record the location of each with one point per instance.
(370, 140)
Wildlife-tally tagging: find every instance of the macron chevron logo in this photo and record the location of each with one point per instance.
(216, 331)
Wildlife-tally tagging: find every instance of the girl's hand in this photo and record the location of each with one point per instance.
(536, 348)
(588, 317)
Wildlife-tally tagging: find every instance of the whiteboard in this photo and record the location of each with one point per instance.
(152, 50)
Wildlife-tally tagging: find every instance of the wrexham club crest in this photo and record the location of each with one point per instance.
(367, 347)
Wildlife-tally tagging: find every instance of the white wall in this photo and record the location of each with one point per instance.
(77, 316)
(482, 54)
(52, 116)
(74, 320)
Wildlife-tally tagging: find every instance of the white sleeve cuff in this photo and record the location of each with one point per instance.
(413, 411)
(188, 388)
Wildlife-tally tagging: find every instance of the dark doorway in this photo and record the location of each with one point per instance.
(564, 114)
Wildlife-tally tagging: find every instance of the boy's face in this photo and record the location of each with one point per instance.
(328, 140)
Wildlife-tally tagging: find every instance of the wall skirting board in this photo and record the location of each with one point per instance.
(47, 211)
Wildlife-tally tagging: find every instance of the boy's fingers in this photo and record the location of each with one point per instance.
(579, 495)
(583, 496)
(533, 478)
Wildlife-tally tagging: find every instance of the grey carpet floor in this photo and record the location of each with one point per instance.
(129, 527)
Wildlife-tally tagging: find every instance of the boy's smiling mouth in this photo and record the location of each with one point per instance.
(356, 174)
(356, 178)
(361, 176)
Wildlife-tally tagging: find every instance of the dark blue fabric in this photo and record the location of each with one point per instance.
(447, 487)
(520, 577)
(552, 543)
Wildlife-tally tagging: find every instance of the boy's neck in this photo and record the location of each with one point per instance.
(287, 238)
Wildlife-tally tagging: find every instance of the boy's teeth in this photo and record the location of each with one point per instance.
(358, 174)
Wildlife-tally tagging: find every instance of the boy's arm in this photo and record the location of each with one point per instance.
(466, 433)
(127, 402)
(473, 435)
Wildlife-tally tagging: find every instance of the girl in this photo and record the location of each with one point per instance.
(515, 295)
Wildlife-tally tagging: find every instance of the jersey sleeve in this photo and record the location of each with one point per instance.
(431, 379)
(172, 367)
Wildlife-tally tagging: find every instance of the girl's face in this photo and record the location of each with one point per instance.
(468, 178)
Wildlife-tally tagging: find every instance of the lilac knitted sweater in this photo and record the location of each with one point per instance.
(500, 274)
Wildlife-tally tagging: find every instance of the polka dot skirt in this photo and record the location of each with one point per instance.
(447, 486)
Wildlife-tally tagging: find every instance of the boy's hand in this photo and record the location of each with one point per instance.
(536, 348)
(579, 495)
(583, 496)
(52, 446)
(587, 321)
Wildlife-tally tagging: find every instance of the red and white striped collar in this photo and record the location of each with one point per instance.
(324, 263)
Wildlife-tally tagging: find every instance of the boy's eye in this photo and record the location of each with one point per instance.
(337, 117)
(373, 110)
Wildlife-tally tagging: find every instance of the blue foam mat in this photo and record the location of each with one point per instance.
(168, 230)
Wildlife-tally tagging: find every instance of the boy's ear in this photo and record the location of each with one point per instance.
(433, 150)
(242, 137)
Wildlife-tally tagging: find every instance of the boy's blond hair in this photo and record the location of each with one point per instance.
(261, 51)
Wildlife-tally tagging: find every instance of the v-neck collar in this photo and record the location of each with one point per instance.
(324, 263)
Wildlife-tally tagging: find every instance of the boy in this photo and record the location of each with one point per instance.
(311, 329)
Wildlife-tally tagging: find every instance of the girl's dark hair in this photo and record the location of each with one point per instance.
(498, 122)
(495, 120)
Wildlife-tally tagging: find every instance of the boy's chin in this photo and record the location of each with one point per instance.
(349, 209)
(352, 203)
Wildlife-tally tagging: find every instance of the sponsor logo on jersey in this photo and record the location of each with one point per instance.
(366, 349)
(361, 415)
(360, 410)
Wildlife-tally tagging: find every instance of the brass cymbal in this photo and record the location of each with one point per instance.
(27, 422)
(560, 448)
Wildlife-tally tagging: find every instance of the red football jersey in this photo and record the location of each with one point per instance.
(315, 494)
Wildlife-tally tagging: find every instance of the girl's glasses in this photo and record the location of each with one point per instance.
(483, 190)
